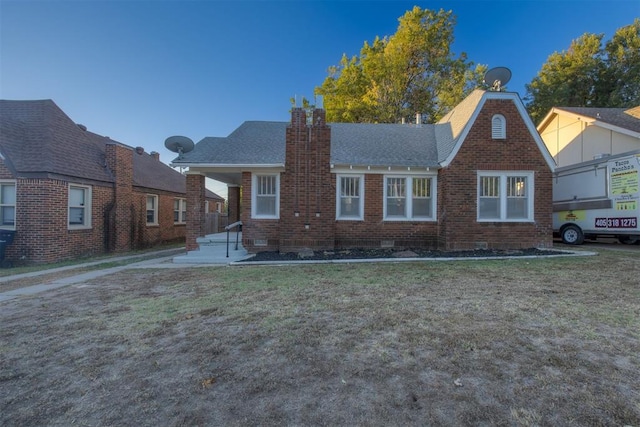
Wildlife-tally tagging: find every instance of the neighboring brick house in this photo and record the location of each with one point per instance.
(580, 134)
(480, 178)
(68, 192)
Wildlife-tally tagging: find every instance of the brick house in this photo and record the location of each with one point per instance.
(68, 192)
(480, 178)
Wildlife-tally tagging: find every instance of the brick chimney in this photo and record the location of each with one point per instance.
(307, 200)
(119, 160)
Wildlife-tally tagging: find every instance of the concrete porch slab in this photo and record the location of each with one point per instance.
(213, 250)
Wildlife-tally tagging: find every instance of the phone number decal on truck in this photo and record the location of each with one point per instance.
(616, 222)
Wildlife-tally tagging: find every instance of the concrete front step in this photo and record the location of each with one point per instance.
(212, 255)
(213, 250)
(220, 238)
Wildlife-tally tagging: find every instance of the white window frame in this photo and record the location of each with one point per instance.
(498, 127)
(502, 196)
(409, 198)
(5, 184)
(339, 215)
(155, 209)
(86, 206)
(181, 211)
(254, 196)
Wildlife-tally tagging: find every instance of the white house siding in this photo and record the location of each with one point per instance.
(571, 140)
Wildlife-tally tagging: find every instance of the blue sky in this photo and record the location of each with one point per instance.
(140, 71)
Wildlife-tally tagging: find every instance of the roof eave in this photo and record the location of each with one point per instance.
(590, 120)
(229, 166)
(525, 117)
(614, 128)
(547, 119)
(356, 167)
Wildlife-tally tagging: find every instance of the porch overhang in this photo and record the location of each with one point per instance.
(383, 169)
(230, 174)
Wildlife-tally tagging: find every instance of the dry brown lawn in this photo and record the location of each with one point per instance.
(533, 342)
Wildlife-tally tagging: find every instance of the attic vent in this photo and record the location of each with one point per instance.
(83, 127)
(498, 127)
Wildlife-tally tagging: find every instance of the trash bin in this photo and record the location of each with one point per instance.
(6, 238)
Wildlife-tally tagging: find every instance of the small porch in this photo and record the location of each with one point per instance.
(213, 249)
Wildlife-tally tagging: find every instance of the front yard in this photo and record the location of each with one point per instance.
(518, 342)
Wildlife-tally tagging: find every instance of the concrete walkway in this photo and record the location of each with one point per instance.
(215, 255)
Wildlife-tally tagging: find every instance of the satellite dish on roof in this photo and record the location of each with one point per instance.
(496, 77)
(179, 144)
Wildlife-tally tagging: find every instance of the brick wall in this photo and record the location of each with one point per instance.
(143, 235)
(307, 192)
(458, 185)
(42, 232)
(307, 202)
(119, 160)
(196, 192)
(373, 232)
(257, 235)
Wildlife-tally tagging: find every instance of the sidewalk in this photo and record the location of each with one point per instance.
(213, 252)
(160, 259)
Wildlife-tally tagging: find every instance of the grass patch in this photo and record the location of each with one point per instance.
(518, 342)
(52, 273)
(43, 267)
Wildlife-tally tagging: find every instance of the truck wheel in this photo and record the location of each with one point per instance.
(572, 235)
(628, 240)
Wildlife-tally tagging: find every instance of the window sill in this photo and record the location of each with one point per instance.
(409, 219)
(523, 220)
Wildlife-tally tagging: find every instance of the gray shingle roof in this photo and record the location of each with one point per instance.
(383, 144)
(364, 144)
(259, 143)
(626, 118)
(252, 143)
(454, 122)
(150, 173)
(37, 137)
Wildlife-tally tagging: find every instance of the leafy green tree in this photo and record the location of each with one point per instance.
(411, 71)
(588, 75)
(623, 67)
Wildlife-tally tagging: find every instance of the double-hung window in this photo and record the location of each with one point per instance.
(179, 211)
(266, 196)
(350, 197)
(7, 204)
(79, 206)
(152, 209)
(409, 198)
(505, 196)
